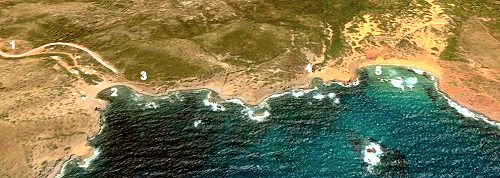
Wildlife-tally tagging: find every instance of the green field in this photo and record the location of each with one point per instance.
(174, 40)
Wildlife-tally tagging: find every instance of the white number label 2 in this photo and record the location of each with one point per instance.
(144, 75)
(114, 92)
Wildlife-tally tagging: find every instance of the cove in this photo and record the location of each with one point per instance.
(393, 123)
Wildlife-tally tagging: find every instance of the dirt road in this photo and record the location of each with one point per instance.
(36, 51)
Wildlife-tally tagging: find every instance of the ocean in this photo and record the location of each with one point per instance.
(392, 122)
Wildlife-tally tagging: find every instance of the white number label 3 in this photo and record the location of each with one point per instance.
(144, 75)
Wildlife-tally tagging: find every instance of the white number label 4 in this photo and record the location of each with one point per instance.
(114, 92)
(144, 75)
(309, 68)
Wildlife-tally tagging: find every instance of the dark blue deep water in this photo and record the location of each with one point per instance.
(323, 133)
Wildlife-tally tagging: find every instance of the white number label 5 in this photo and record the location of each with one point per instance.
(144, 75)
(114, 92)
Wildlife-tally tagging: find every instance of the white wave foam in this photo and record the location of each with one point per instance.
(319, 96)
(336, 101)
(411, 82)
(102, 122)
(331, 95)
(197, 123)
(276, 95)
(301, 92)
(298, 94)
(259, 117)
(87, 161)
(250, 112)
(178, 96)
(236, 101)
(355, 83)
(461, 110)
(166, 97)
(418, 71)
(60, 174)
(392, 72)
(398, 83)
(468, 113)
(264, 104)
(310, 90)
(213, 105)
(137, 97)
(371, 155)
(151, 105)
(464, 111)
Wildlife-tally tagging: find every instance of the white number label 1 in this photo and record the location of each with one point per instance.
(13, 44)
(144, 75)
(114, 92)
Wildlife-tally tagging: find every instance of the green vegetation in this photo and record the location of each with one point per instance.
(3, 115)
(337, 14)
(60, 28)
(67, 60)
(47, 62)
(139, 37)
(91, 79)
(462, 10)
(9, 30)
(248, 33)
(248, 44)
(165, 65)
(52, 146)
(450, 53)
(406, 45)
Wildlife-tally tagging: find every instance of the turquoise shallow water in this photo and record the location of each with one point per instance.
(323, 132)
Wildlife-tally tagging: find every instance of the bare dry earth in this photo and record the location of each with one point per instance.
(475, 83)
(45, 123)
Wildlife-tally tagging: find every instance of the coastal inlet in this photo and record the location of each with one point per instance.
(393, 123)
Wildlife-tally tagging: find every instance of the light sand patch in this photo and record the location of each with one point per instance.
(363, 30)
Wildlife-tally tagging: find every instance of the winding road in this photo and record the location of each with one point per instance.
(33, 52)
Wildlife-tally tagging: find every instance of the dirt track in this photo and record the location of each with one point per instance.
(36, 51)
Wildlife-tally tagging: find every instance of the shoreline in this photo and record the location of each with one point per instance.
(329, 75)
(465, 111)
(144, 90)
(252, 102)
(89, 92)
